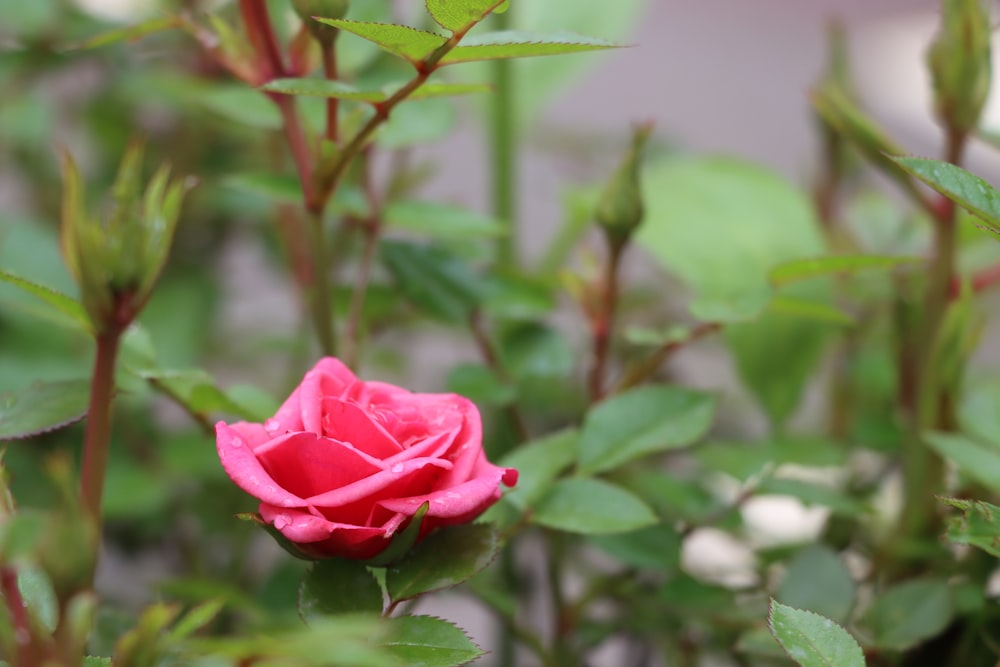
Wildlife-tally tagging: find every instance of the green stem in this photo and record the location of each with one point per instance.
(503, 146)
(372, 231)
(97, 436)
(321, 297)
(923, 470)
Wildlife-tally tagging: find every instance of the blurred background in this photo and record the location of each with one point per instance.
(716, 76)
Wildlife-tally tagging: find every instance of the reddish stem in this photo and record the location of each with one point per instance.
(981, 280)
(27, 652)
(97, 436)
(602, 325)
(329, 51)
(261, 36)
(653, 362)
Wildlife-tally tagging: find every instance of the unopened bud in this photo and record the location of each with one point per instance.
(327, 9)
(117, 260)
(959, 62)
(620, 209)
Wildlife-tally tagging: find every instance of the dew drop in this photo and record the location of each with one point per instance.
(235, 443)
(272, 425)
(398, 468)
(281, 521)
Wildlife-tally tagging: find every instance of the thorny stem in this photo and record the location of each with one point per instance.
(647, 368)
(604, 321)
(97, 435)
(26, 655)
(372, 229)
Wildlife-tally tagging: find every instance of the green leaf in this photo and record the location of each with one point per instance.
(817, 580)
(978, 526)
(540, 80)
(425, 641)
(801, 342)
(63, 304)
(38, 595)
(469, 548)
(441, 220)
(721, 225)
(813, 641)
(196, 391)
(283, 188)
(539, 462)
(979, 462)
(460, 15)
(591, 507)
(409, 43)
(313, 87)
(196, 619)
(130, 33)
(338, 586)
(654, 548)
(42, 407)
(962, 187)
(641, 422)
(804, 269)
(809, 309)
(909, 613)
(95, 661)
(435, 280)
(521, 44)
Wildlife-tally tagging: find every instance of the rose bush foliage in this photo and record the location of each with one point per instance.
(344, 464)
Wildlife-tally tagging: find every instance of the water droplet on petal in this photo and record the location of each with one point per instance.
(398, 468)
(272, 425)
(235, 443)
(281, 521)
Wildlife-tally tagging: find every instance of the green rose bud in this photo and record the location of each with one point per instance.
(328, 9)
(116, 261)
(959, 62)
(620, 209)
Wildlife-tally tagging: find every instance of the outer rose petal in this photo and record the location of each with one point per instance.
(467, 500)
(318, 537)
(242, 466)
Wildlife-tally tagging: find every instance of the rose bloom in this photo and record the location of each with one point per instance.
(345, 464)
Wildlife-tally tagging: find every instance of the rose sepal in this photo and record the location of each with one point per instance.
(282, 541)
(402, 540)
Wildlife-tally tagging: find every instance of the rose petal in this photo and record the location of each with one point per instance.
(242, 466)
(253, 435)
(464, 501)
(320, 537)
(396, 480)
(307, 464)
(349, 423)
(302, 410)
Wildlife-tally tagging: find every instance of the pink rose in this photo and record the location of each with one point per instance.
(345, 464)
